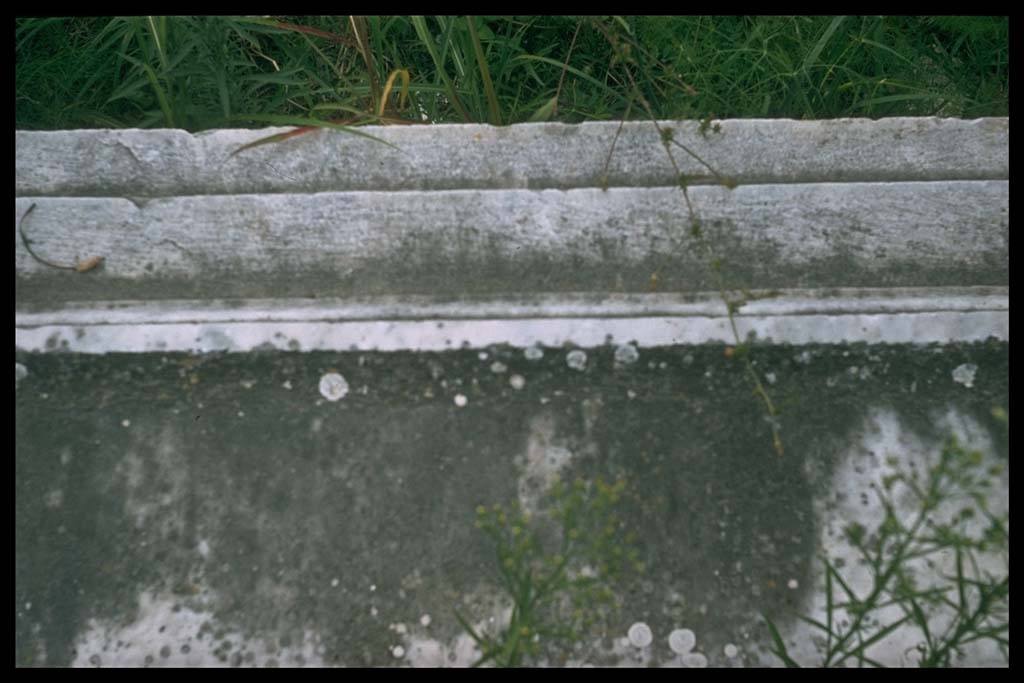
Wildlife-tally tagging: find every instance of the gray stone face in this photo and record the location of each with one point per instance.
(259, 433)
(462, 211)
(162, 163)
(467, 242)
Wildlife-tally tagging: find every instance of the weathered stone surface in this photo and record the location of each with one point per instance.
(174, 509)
(527, 156)
(416, 333)
(469, 242)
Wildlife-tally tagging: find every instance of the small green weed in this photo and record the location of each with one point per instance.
(558, 567)
(967, 606)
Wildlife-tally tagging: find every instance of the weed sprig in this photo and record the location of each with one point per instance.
(967, 606)
(626, 57)
(557, 566)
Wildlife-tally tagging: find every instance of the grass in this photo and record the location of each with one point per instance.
(199, 73)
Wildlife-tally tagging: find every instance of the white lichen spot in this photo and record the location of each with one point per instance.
(770, 377)
(126, 423)
(630, 394)
(287, 384)
(793, 584)
(54, 498)
(461, 400)
(333, 386)
(626, 354)
(482, 355)
(695, 660)
(398, 651)
(682, 640)
(517, 382)
(425, 620)
(964, 374)
(576, 359)
(400, 629)
(640, 634)
(334, 583)
(20, 373)
(534, 353)
(497, 367)
(730, 650)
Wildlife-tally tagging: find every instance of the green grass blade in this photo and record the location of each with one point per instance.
(301, 121)
(420, 24)
(850, 593)
(545, 111)
(813, 55)
(485, 74)
(579, 74)
(828, 605)
(816, 624)
(161, 95)
(469, 629)
(488, 650)
(964, 606)
(888, 49)
(160, 38)
(862, 646)
(893, 98)
(780, 647)
(920, 619)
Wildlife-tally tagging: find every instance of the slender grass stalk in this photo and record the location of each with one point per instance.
(360, 31)
(306, 125)
(420, 24)
(160, 38)
(485, 74)
(404, 73)
(161, 94)
(732, 306)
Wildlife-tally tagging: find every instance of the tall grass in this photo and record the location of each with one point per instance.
(207, 72)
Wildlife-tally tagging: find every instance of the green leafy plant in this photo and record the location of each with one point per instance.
(966, 606)
(557, 566)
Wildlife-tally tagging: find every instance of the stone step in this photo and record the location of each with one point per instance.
(467, 242)
(464, 212)
(261, 431)
(167, 163)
